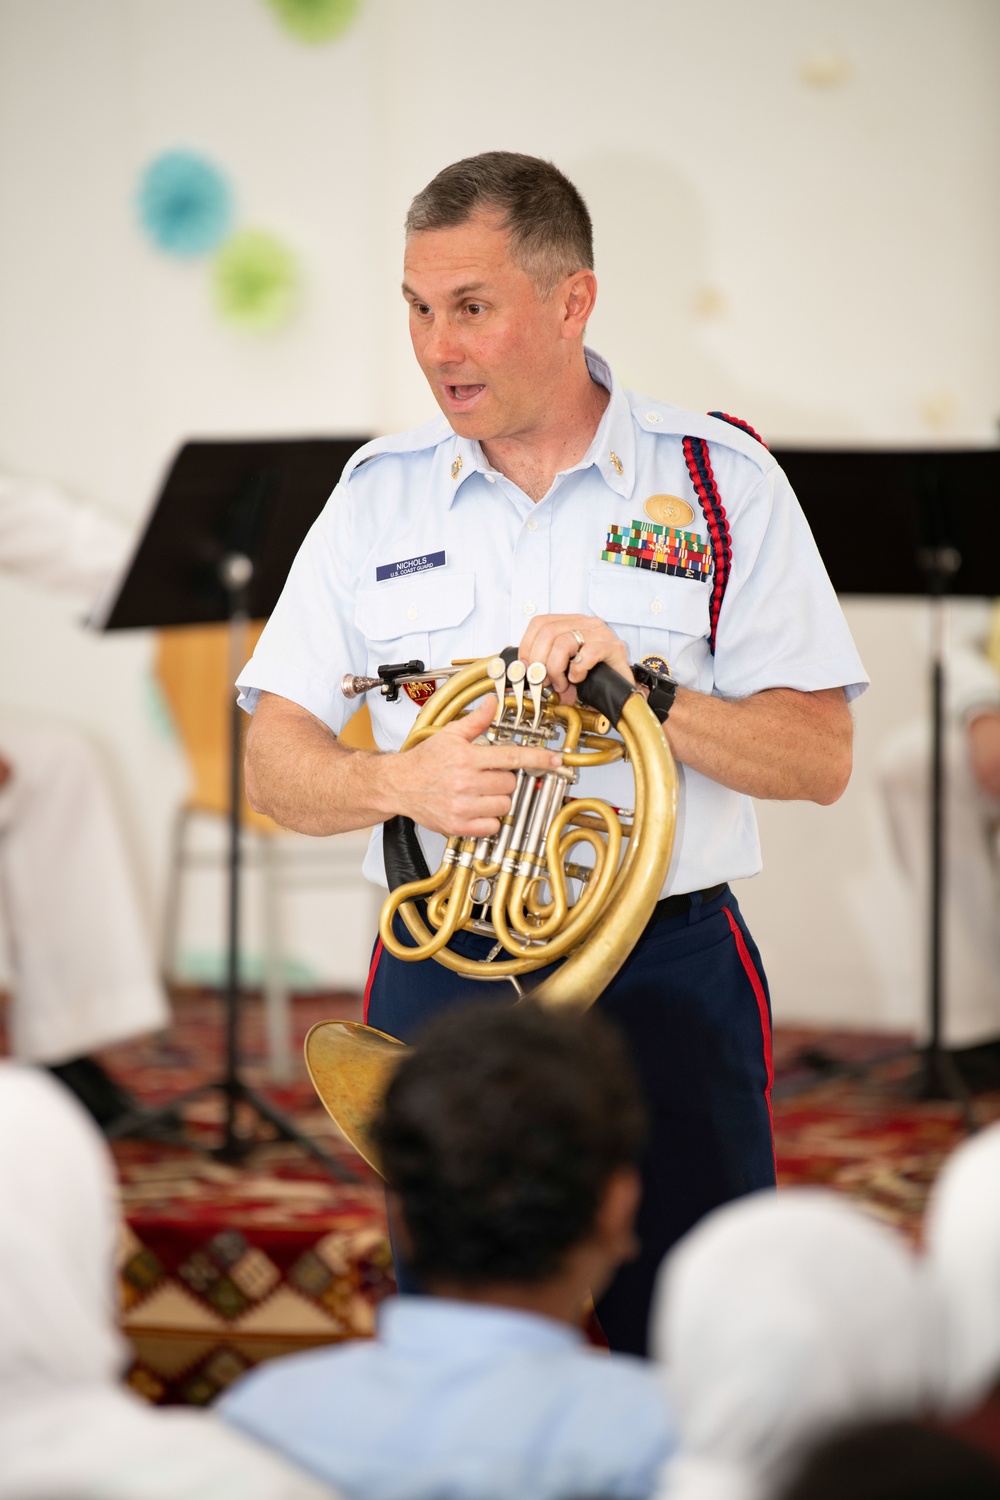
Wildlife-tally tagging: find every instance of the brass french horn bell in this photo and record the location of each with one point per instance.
(515, 886)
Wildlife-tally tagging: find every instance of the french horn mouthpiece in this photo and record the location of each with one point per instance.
(354, 687)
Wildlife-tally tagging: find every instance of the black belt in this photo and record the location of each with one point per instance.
(677, 906)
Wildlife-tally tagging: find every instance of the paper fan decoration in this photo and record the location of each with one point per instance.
(316, 20)
(256, 281)
(184, 204)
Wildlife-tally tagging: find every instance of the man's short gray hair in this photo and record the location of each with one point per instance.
(551, 235)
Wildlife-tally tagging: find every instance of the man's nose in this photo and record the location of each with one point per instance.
(442, 346)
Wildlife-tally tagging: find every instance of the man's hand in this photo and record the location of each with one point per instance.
(779, 744)
(454, 786)
(984, 751)
(298, 773)
(551, 639)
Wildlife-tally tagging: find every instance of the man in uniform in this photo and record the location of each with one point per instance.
(548, 507)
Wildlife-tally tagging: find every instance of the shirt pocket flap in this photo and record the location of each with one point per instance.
(633, 596)
(434, 600)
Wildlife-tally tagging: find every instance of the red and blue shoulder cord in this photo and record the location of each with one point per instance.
(700, 469)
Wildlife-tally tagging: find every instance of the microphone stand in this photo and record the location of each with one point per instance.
(235, 574)
(938, 1076)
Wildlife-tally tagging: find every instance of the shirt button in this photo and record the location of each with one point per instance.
(653, 416)
(491, 479)
(529, 608)
(532, 524)
(412, 612)
(656, 606)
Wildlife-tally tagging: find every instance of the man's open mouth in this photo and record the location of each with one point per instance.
(464, 393)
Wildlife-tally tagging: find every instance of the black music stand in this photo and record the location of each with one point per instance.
(924, 523)
(218, 546)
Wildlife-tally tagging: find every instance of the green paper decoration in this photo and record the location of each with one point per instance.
(316, 20)
(256, 281)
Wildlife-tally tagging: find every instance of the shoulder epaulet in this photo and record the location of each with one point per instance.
(714, 427)
(430, 435)
(724, 416)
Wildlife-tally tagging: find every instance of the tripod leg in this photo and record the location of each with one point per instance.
(939, 1077)
(276, 1012)
(289, 1132)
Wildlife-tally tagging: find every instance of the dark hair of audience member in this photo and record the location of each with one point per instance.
(498, 1135)
(894, 1461)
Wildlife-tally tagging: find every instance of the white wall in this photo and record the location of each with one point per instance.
(796, 220)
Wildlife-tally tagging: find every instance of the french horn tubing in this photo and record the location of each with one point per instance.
(517, 885)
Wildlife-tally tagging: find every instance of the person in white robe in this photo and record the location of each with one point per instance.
(971, 1000)
(68, 1429)
(778, 1319)
(84, 972)
(962, 1236)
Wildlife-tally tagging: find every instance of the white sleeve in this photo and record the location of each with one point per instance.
(311, 639)
(781, 624)
(53, 541)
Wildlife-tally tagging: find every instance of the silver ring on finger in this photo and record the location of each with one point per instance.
(580, 642)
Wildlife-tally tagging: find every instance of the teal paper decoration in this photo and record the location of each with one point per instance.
(316, 20)
(184, 204)
(255, 281)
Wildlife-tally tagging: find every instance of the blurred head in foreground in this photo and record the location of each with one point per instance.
(894, 1461)
(67, 1428)
(963, 1260)
(509, 1140)
(778, 1318)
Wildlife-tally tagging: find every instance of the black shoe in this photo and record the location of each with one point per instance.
(106, 1100)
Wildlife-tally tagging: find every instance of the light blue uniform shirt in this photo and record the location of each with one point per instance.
(459, 1401)
(425, 551)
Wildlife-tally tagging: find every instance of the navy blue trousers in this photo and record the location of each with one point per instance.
(693, 1004)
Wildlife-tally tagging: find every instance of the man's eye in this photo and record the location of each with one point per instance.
(475, 308)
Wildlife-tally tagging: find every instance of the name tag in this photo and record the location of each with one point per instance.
(409, 565)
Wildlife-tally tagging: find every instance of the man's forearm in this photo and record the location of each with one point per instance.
(453, 782)
(301, 776)
(780, 744)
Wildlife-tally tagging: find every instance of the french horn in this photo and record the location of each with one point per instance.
(524, 886)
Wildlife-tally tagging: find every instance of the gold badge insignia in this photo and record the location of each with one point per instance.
(616, 461)
(456, 467)
(668, 510)
(419, 692)
(656, 664)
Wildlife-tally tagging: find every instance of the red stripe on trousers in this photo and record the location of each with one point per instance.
(371, 978)
(761, 998)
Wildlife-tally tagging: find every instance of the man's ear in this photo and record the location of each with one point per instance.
(614, 1223)
(578, 295)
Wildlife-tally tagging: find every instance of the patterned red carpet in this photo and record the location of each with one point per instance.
(225, 1266)
(863, 1134)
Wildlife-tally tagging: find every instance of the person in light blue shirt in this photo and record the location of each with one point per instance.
(509, 1139)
